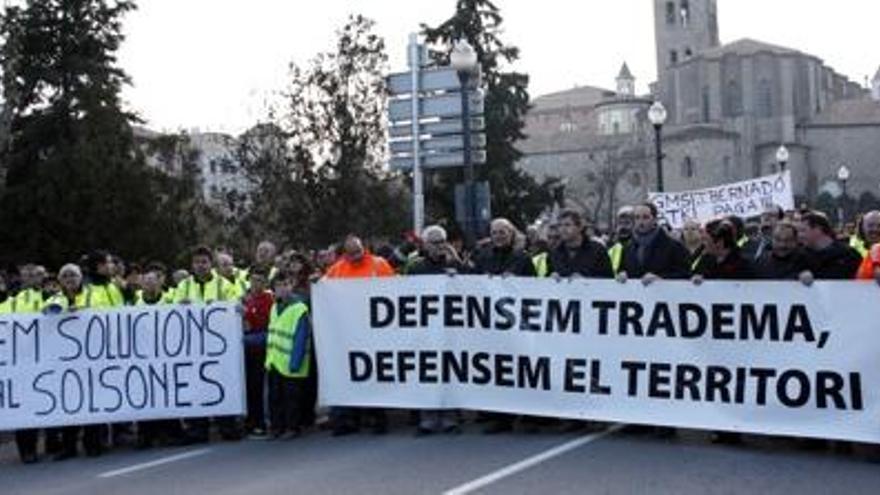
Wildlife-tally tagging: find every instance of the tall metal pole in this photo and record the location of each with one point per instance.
(418, 182)
(470, 193)
(659, 150)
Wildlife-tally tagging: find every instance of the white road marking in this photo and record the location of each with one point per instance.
(157, 462)
(527, 463)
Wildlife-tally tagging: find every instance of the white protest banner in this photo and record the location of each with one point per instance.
(743, 199)
(764, 357)
(123, 365)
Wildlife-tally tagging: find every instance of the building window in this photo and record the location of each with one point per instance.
(688, 53)
(706, 102)
(685, 13)
(213, 167)
(726, 167)
(733, 100)
(765, 99)
(670, 13)
(673, 57)
(616, 128)
(687, 167)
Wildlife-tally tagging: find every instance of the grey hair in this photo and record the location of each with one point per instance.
(434, 232)
(70, 268)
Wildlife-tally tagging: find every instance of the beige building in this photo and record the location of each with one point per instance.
(730, 107)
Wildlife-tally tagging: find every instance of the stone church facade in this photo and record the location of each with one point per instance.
(730, 107)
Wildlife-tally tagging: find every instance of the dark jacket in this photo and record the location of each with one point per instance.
(428, 266)
(735, 266)
(836, 262)
(666, 258)
(495, 261)
(590, 259)
(770, 267)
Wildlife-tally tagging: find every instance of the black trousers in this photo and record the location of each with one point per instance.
(91, 438)
(285, 402)
(26, 441)
(255, 374)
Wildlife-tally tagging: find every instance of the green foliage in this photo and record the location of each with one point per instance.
(515, 194)
(76, 178)
(334, 129)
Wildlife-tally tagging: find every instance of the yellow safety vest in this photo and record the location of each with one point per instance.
(26, 301)
(541, 265)
(216, 289)
(104, 296)
(166, 297)
(81, 301)
(616, 255)
(282, 338)
(859, 245)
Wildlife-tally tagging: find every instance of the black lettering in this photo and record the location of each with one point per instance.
(37, 386)
(659, 380)
(632, 369)
(217, 336)
(406, 312)
(801, 395)
(799, 323)
(428, 367)
(221, 392)
(763, 375)
(630, 314)
(504, 370)
(751, 326)
(429, 307)
(533, 377)
(604, 307)
(692, 321)
(457, 364)
(406, 362)
(530, 310)
(70, 338)
(661, 320)
(453, 311)
(482, 373)
(829, 385)
(717, 381)
(596, 387)
(77, 388)
(377, 319)
(574, 373)
(385, 367)
(563, 321)
(507, 318)
(360, 373)
(479, 312)
(180, 384)
(130, 387)
(110, 386)
(722, 322)
(687, 378)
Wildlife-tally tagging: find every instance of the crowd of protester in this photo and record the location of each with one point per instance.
(273, 294)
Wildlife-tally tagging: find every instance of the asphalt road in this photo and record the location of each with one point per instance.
(605, 462)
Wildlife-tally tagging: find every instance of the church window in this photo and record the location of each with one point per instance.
(733, 100)
(670, 13)
(687, 167)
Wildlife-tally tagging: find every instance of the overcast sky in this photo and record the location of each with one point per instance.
(212, 64)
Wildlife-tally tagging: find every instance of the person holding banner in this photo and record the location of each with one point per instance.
(203, 286)
(151, 294)
(784, 260)
(440, 259)
(502, 257)
(827, 258)
(577, 255)
(75, 296)
(29, 299)
(652, 254)
(356, 262)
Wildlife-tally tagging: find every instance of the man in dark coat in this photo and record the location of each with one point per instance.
(578, 255)
(652, 254)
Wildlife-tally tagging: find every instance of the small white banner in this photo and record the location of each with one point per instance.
(744, 199)
(765, 357)
(124, 365)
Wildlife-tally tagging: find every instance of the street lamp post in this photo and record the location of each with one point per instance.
(657, 116)
(843, 175)
(782, 157)
(464, 60)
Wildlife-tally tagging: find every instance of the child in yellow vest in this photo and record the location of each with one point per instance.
(287, 357)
